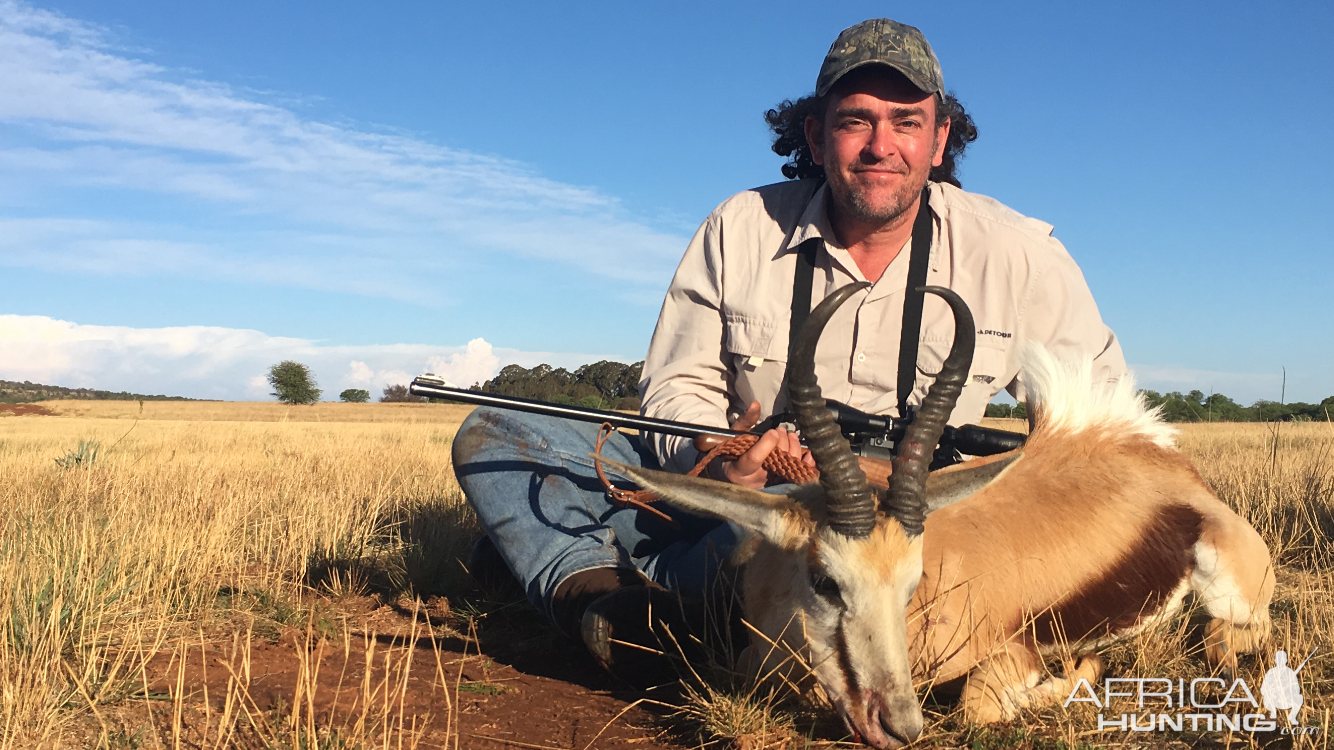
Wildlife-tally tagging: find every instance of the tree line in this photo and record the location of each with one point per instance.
(1195, 406)
(13, 392)
(615, 385)
(600, 385)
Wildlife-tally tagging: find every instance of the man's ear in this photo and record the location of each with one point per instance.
(814, 130)
(777, 518)
(942, 141)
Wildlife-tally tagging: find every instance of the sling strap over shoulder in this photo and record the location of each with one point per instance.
(909, 338)
(913, 300)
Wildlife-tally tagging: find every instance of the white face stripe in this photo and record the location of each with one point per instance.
(861, 648)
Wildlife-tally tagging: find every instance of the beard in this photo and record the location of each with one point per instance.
(865, 203)
(862, 203)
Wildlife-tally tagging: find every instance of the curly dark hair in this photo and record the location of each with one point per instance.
(787, 121)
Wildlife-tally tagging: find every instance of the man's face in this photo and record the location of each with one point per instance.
(877, 144)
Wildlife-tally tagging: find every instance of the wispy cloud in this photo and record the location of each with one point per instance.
(302, 202)
(230, 363)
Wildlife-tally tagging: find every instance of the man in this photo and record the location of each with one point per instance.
(876, 146)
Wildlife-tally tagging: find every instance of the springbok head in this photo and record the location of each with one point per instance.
(848, 562)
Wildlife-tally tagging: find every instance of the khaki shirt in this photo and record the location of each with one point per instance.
(722, 336)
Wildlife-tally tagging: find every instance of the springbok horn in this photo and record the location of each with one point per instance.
(906, 497)
(850, 501)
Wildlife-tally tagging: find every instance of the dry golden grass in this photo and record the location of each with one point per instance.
(105, 564)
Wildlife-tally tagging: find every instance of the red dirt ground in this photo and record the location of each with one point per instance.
(19, 410)
(529, 687)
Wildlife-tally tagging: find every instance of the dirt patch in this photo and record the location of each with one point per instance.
(390, 671)
(19, 410)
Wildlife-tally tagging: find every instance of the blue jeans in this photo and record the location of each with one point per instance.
(532, 482)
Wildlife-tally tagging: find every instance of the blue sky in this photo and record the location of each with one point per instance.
(188, 190)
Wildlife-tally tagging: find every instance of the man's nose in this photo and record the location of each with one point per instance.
(880, 145)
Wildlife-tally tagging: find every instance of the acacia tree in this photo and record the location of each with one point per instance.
(355, 395)
(398, 394)
(292, 383)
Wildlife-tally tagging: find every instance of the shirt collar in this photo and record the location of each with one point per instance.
(814, 221)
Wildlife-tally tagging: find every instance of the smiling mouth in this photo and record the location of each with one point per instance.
(876, 174)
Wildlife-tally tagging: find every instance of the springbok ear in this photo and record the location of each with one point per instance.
(952, 484)
(777, 518)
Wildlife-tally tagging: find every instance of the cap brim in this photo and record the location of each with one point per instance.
(823, 89)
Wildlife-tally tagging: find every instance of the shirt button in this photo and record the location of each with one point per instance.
(861, 357)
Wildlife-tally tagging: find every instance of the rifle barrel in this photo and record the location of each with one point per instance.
(970, 439)
(434, 388)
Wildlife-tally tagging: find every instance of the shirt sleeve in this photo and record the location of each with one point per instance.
(1059, 312)
(686, 377)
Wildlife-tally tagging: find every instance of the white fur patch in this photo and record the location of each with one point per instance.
(1216, 588)
(1066, 397)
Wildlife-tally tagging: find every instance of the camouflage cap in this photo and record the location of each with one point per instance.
(884, 42)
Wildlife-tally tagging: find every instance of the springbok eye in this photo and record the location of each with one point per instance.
(826, 587)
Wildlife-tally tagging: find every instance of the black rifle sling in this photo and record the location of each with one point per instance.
(912, 303)
(802, 281)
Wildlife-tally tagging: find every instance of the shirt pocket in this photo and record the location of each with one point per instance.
(746, 337)
(758, 360)
(989, 373)
(991, 368)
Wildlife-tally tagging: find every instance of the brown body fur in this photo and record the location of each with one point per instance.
(1086, 536)
(1084, 539)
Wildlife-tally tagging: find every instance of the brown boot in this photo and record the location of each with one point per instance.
(635, 629)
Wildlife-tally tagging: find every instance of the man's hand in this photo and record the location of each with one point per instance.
(747, 470)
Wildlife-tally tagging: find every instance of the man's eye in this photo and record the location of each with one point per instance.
(826, 587)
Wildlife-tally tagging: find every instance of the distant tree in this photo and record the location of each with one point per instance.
(612, 379)
(355, 396)
(292, 383)
(398, 394)
(1006, 411)
(610, 382)
(627, 403)
(592, 401)
(1220, 408)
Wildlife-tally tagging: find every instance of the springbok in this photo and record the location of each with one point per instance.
(1096, 529)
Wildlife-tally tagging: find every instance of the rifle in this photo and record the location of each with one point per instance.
(873, 437)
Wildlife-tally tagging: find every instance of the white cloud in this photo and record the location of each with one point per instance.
(302, 202)
(359, 373)
(476, 363)
(230, 363)
(255, 388)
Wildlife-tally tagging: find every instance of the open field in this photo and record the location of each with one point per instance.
(253, 575)
(260, 411)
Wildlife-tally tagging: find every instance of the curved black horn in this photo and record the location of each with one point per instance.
(906, 497)
(849, 499)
